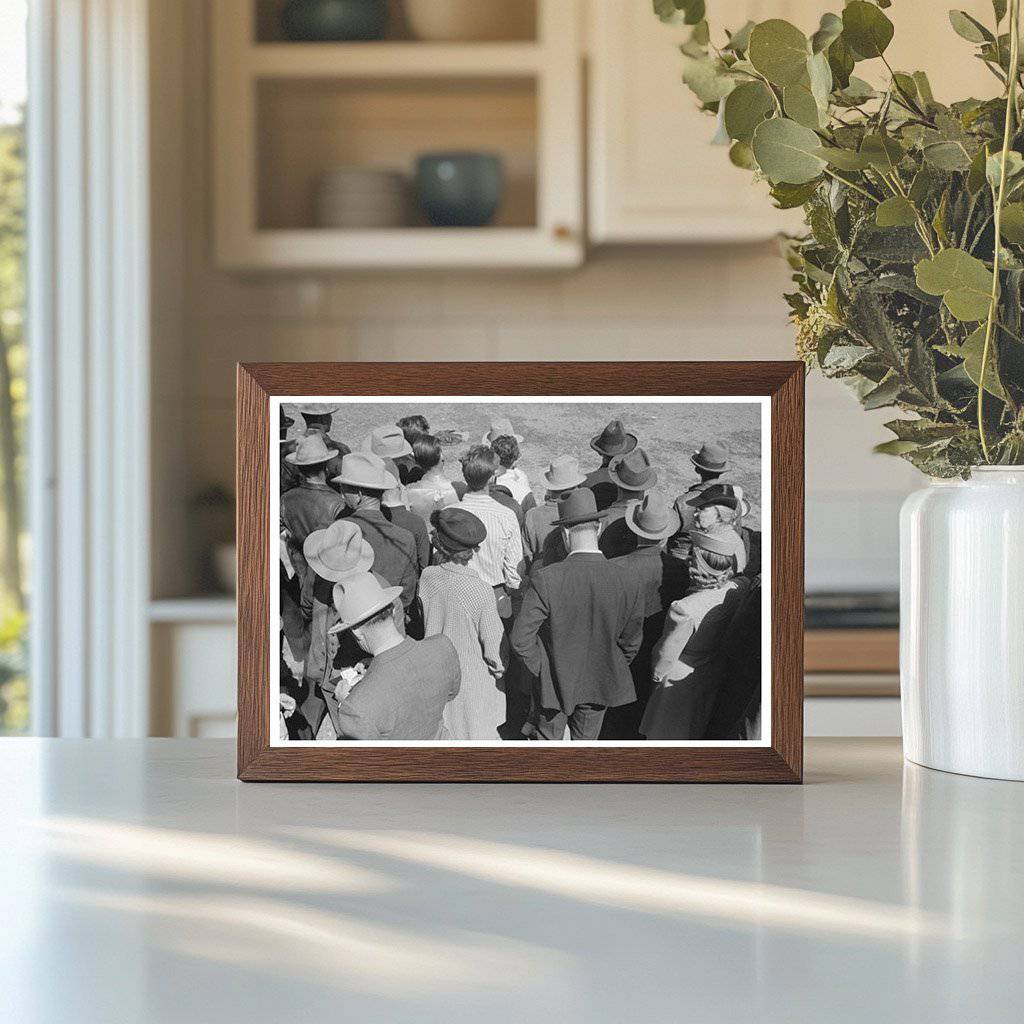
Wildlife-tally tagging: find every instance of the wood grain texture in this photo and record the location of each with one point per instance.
(780, 762)
(852, 650)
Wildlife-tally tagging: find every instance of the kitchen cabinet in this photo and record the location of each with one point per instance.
(653, 175)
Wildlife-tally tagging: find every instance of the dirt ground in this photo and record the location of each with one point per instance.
(670, 432)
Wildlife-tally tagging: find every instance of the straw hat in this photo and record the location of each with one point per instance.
(338, 552)
(311, 450)
(360, 598)
(563, 474)
(653, 518)
(388, 442)
(365, 470)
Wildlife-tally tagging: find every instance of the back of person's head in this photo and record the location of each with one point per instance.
(413, 426)
(426, 450)
(479, 465)
(461, 557)
(507, 450)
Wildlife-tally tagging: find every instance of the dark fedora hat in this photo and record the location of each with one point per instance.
(713, 457)
(721, 494)
(579, 506)
(633, 471)
(455, 529)
(613, 440)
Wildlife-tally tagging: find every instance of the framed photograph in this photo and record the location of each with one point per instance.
(519, 572)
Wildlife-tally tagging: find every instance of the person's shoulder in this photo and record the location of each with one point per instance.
(438, 646)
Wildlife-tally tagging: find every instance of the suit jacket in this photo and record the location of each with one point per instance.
(605, 489)
(537, 527)
(394, 551)
(403, 693)
(417, 526)
(580, 626)
(617, 539)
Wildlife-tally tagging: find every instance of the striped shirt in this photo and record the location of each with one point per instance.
(499, 557)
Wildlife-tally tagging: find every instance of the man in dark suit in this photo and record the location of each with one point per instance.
(319, 419)
(650, 522)
(710, 462)
(611, 443)
(633, 476)
(580, 626)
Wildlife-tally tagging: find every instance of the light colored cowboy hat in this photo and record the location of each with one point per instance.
(501, 428)
(723, 542)
(388, 442)
(316, 409)
(713, 456)
(633, 471)
(563, 474)
(365, 470)
(311, 450)
(653, 518)
(338, 552)
(613, 440)
(360, 598)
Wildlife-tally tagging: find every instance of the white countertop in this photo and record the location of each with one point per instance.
(141, 882)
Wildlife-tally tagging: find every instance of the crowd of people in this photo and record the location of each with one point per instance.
(418, 607)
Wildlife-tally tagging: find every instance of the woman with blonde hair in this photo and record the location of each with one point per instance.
(686, 662)
(460, 605)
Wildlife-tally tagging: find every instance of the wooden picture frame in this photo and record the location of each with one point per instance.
(779, 759)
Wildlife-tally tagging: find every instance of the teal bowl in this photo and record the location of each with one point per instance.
(334, 21)
(460, 189)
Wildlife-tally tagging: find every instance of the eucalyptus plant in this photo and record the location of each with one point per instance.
(910, 277)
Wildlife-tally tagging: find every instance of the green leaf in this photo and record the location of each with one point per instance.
(857, 91)
(883, 152)
(788, 196)
(1012, 223)
(739, 41)
(923, 431)
(779, 51)
(741, 155)
(866, 29)
(801, 106)
(947, 156)
(971, 352)
(963, 281)
(999, 9)
(690, 12)
(885, 394)
(924, 88)
(922, 185)
(895, 212)
(969, 28)
(976, 173)
(844, 159)
(993, 167)
(787, 151)
(745, 108)
(707, 78)
(841, 63)
(819, 74)
(895, 447)
(829, 30)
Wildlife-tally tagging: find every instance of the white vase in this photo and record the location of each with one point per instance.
(962, 624)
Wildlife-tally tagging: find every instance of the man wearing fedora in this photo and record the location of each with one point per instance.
(319, 419)
(651, 521)
(313, 504)
(613, 442)
(389, 443)
(710, 462)
(363, 480)
(633, 476)
(290, 476)
(402, 694)
(580, 626)
(562, 475)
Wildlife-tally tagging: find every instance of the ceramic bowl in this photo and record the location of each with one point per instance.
(460, 189)
(359, 197)
(333, 21)
(470, 20)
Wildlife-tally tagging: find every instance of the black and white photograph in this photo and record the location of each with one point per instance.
(491, 571)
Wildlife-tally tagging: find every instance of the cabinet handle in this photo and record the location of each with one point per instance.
(562, 232)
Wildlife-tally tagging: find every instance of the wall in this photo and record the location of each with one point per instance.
(651, 303)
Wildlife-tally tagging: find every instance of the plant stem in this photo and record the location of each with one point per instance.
(1011, 108)
(853, 185)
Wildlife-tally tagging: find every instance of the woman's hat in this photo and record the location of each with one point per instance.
(578, 506)
(311, 450)
(501, 428)
(725, 542)
(387, 442)
(365, 470)
(613, 440)
(338, 552)
(722, 494)
(633, 471)
(563, 474)
(316, 409)
(457, 530)
(653, 518)
(360, 598)
(713, 457)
